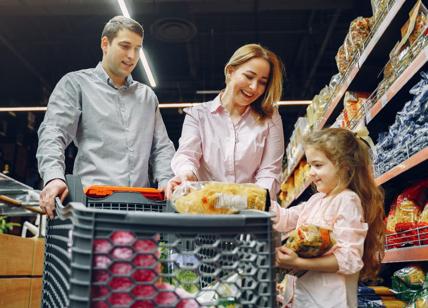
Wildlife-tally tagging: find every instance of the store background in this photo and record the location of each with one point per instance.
(187, 43)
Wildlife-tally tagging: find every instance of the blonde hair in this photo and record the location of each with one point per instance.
(264, 106)
(351, 156)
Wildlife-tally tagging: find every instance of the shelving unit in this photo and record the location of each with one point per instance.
(398, 84)
(378, 46)
(406, 165)
(408, 254)
(395, 16)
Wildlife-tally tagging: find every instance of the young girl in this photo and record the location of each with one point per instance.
(351, 205)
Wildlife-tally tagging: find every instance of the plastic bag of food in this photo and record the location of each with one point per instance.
(218, 198)
(310, 241)
(408, 281)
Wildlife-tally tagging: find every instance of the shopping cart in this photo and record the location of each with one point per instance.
(129, 257)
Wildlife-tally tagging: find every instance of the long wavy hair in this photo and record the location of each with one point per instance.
(351, 156)
(263, 106)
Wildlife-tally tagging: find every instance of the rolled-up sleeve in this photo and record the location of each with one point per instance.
(187, 158)
(58, 128)
(349, 232)
(269, 172)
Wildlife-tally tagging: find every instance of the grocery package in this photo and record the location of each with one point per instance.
(310, 241)
(405, 224)
(408, 134)
(414, 26)
(354, 108)
(420, 299)
(358, 32)
(378, 7)
(408, 282)
(218, 198)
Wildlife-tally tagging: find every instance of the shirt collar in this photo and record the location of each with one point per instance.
(215, 104)
(101, 73)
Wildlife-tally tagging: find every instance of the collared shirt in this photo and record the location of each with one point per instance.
(344, 215)
(119, 132)
(216, 149)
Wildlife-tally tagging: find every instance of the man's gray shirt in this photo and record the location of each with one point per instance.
(119, 132)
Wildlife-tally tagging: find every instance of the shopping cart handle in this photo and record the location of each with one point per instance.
(62, 211)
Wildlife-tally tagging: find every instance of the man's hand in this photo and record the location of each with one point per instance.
(53, 189)
(177, 180)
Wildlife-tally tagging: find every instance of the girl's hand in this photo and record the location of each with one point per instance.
(286, 258)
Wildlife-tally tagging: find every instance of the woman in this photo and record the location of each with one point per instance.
(238, 136)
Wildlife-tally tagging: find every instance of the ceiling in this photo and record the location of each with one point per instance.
(187, 43)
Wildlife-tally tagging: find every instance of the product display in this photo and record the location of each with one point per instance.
(408, 134)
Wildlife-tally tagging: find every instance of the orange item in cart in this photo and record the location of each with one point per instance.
(99, 191)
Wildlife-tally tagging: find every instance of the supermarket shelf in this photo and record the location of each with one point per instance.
(352, 72)
(299, 157)
(408, 254)
(409, 163)
(398, 84)
(302, 190)
(355, 68)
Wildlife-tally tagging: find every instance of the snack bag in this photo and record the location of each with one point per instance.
(218, 198)
(310, 241)
(408, 281)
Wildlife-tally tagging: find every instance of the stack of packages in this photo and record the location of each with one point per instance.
(358, 32)
(404, 51)
(377, 296)
(354, 105)
(407, 221)
(408, 134)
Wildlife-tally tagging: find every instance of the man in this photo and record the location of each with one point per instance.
(113, 120)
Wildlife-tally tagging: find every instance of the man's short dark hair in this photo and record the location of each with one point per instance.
(117, 23)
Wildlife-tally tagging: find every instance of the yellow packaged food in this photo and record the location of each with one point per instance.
(310, 241)
(218, 198)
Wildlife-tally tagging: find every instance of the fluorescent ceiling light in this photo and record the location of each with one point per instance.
(294, 103)
(207, 91)
(143, 58)
(123, 8)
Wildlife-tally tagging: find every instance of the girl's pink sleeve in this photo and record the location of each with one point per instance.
(285, 220)
(349, 232)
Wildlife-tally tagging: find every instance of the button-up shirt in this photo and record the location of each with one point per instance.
(344, 215)
(118, 131)
(216, 149)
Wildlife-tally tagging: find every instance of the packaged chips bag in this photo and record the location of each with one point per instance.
(310, 241)
(218, 198)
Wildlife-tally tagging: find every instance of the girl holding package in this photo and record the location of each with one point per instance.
(349, 203)
(238, 136)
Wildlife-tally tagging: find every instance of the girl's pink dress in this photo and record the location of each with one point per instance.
(344, 215)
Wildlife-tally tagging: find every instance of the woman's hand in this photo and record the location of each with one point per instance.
(177, 180)
(286, 258)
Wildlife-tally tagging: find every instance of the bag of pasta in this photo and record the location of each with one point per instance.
(218, 198)
(310, 241)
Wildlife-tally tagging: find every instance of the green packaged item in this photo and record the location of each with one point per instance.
(408, 282)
